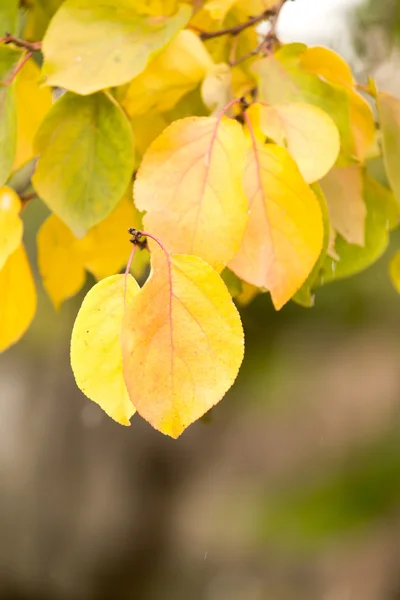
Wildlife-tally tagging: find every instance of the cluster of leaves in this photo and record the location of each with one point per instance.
(248, 161)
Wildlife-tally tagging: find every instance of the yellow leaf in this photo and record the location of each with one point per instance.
(96, 356)
(248, 293)
(90, 46)
(334, 69)
(327, 64)
(343, 189)
(11, 227)
(145, 130)
(172, 74)
(394, 270)
(309, 134)
(216, 89)
(389, 117)
(104, 251)
(190, 184)
(182, 342)
(60, 265)
(17, 298)
(219, 8)
(284, 235)
(283, 79)
(105, 248)
(33, 103)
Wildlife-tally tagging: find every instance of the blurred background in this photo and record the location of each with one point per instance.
(288, 490)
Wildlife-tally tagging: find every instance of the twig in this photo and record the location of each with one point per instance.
(235, 29)
(266, 46)
(30, 46)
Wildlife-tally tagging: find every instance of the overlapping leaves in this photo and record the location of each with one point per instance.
(272, 194)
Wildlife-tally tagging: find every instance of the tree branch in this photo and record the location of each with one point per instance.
(235, 29)
(30, 46)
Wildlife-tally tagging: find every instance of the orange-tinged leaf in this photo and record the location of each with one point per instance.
(362, 124)
(60, 265)
(182, 342)
(334, 69)
(327, 64)
(284, 235)
(11, 227)
(17, 298)
(190, 184)
(343, 189)
(33, 103)
(309, 134)
(283, 79)
(96, 356)
(389, 117)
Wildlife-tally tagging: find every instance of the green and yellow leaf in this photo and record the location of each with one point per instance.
(86, 159)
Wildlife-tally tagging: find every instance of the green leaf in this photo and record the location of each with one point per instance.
(282, 80)
(389, 116)
(304, 297)
(8, 17)
(9, 58)
(91, 46)
(381, 205)
(86, 161)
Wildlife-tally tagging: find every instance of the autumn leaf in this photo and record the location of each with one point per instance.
(306, 131)
(333, 68)
(381, 210)
(9, 58)
(103, 251)
(91, 131)
(304, 296)
(17, 298)
(89, 46)
(216, 89)
(96, 356)
(389, 117)
(60, 265)
(282, 80)
(394, 271)
(9, 16)
(182, 342)
(33, 103)
(11, 227)
(177, 70)
(105, 248)
(285, 232)
(343, 189)
(190, 184)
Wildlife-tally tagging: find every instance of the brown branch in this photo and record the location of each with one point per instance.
(266, 46)
(30, 46)
(235, 29)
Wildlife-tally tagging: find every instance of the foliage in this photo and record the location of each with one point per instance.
(248, 163)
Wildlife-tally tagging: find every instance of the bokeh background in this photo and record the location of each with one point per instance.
(288, 490)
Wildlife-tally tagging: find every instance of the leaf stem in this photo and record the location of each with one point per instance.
(128, 268)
